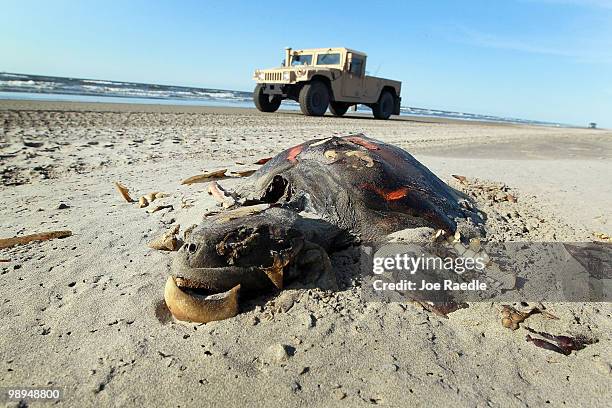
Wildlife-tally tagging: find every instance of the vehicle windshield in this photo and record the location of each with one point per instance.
(328, 59)
(305, 59)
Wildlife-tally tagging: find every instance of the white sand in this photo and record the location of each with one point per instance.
(86, 313)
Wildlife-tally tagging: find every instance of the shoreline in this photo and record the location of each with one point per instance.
(102, 106)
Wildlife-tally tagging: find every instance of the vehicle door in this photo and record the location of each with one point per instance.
(353, 77)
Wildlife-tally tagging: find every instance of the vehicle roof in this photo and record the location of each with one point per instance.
(336, 49)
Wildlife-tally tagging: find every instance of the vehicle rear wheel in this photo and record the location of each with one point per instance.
(384, 107)
(338, 108)
(314, 98)
(264, 102)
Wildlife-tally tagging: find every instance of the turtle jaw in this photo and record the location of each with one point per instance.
(197, 308)
(202, 294)
(214, 279)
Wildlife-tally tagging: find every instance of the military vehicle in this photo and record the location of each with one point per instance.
(319, 78)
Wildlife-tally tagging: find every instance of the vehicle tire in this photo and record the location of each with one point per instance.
(314, 98)
(263, 102)
(338, 108)
(384, 107)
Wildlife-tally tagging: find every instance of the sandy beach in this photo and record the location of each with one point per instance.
(86, 313)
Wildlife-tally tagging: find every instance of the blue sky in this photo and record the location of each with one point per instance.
(536, 59)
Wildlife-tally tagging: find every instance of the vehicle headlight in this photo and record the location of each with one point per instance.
(286, 76)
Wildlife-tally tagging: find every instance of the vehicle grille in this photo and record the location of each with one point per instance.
(274, 76)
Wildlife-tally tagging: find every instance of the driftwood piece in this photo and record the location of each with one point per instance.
(168, 241)
(512, 318)
(221, 195)
(42, 236)
(125, 193)
(243, 173)
(159, 208)
(147, 199)
(204, 177)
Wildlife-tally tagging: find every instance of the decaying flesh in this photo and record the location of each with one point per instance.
(257, 248)
(42, 236)
(263, 161)
(352, 188)
(360, 185)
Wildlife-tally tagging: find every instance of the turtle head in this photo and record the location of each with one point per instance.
(246, 246)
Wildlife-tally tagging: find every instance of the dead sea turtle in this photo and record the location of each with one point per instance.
(307, 201)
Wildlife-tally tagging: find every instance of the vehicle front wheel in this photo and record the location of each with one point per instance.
(264, 102)
(338, 108)
(384, 107)
(314, 98)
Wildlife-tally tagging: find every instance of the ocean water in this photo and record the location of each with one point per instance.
(39, 96)
(38, 87)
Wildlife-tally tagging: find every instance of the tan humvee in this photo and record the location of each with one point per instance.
(319, 78)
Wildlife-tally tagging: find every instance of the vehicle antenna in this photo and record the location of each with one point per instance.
(377, 69)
